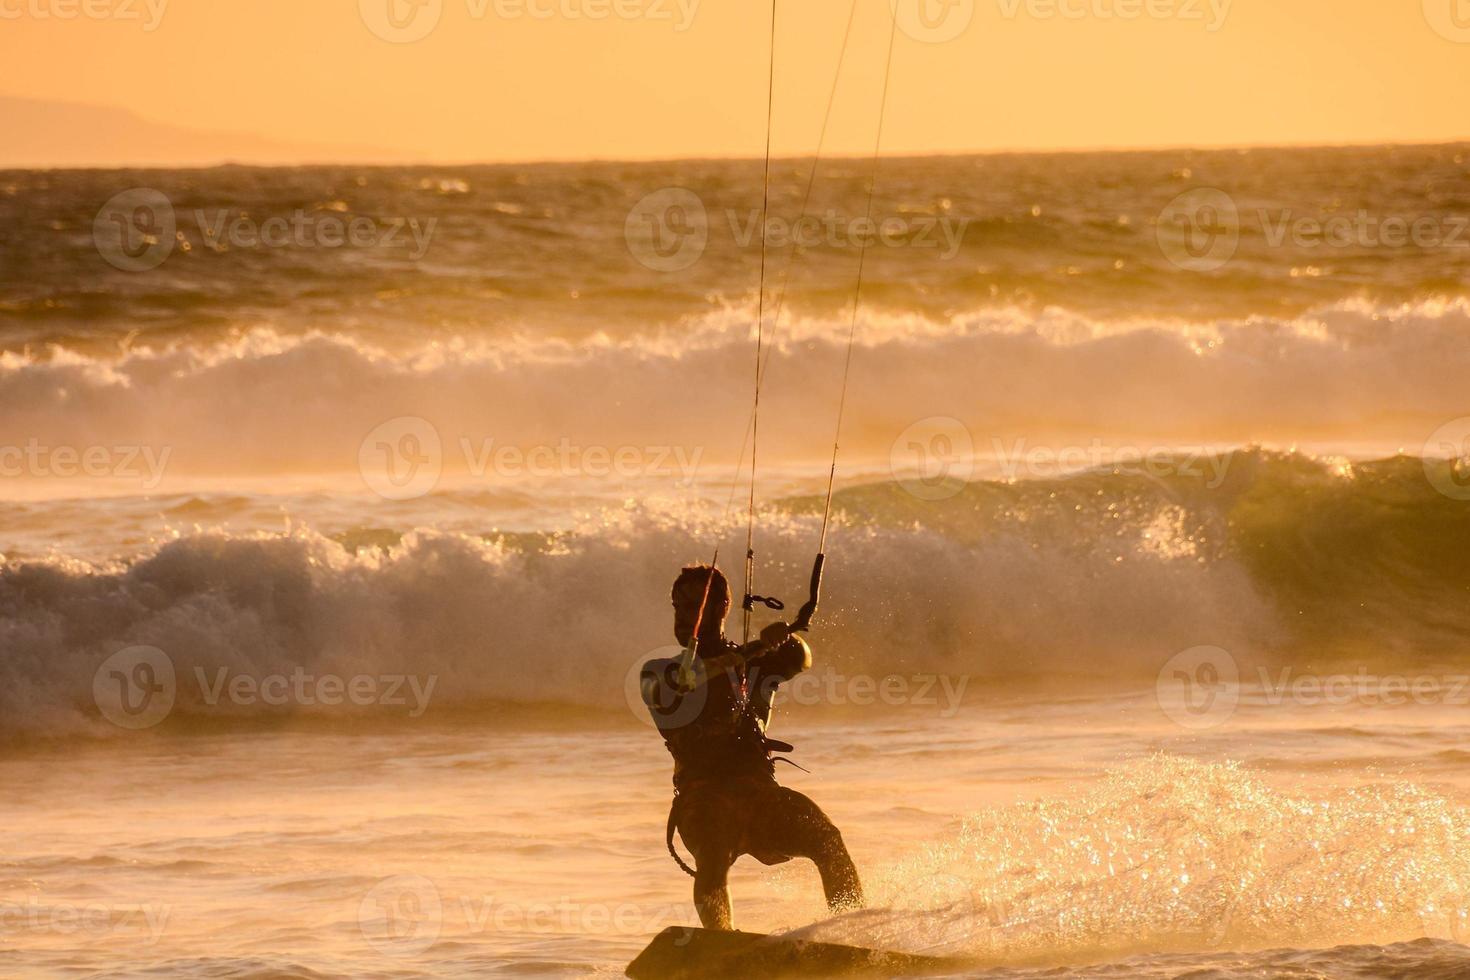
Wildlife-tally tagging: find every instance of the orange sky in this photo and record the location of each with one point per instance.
(536, 79)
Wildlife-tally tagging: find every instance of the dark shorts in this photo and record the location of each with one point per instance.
(720, 821)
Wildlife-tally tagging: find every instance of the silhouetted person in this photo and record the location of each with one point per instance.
(713, 719)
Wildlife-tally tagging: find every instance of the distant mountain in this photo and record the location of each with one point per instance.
(64, 134)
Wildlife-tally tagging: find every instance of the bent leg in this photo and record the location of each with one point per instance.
(793, 826)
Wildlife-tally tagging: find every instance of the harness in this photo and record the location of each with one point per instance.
(747, 730)
(772, 745)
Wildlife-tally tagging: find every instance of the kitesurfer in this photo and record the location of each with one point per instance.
(712, 706)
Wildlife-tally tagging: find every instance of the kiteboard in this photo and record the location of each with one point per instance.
(686, 952)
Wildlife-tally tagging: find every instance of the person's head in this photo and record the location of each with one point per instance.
(688, 592)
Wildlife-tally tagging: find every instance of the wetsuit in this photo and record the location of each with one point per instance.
(727, 802)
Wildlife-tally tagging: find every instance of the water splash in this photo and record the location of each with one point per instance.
(1174, 854)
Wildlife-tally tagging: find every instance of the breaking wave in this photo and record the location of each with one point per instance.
(1349, 374)
(1100, 576)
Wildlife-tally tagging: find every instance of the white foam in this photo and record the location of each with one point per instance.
(266, 403)
(567, 624)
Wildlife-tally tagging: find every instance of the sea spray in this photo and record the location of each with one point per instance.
(1172, 853)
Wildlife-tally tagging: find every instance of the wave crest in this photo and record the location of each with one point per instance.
(1352, 374)
(1101, 577)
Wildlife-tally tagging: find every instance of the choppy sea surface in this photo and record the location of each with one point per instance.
(1143, 453)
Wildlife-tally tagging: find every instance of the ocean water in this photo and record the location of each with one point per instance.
(327, 561)
(1075, 837)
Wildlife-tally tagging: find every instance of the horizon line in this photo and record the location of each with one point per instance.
(1118, 150)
